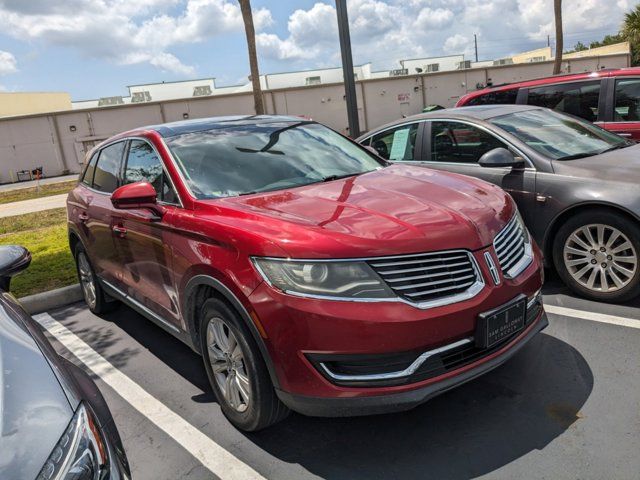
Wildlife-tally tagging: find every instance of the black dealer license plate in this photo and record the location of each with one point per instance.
(501, 323)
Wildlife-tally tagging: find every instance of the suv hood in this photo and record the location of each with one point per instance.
(34, 410)
(398, 209)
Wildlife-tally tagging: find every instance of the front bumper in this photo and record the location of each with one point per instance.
(397, 402)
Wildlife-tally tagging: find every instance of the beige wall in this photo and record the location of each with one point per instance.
(615, 49)
(27, 103)
(59, 141)
(528, 56)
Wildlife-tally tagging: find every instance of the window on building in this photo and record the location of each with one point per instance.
(432, 67)
(455, 142)
(397, 143)
(579, 99)
(202, 91)
(143, 164)
(627, 103)
(313, 81)
(105, 178)
(498, 97)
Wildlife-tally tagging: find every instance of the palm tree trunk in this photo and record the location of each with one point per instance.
(557, 11)
(247, 17)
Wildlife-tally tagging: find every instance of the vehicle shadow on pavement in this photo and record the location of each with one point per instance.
(467, 432)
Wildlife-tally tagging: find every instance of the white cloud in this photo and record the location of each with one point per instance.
(384, 31)
(125, 31)
(8, 63)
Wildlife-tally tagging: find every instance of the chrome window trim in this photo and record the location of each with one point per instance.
(468, 294)
(527, 160)
(410, 370)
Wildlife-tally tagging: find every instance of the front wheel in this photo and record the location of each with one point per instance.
(596, 254)
(236, 370)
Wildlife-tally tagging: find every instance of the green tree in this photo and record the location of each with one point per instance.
(631, 33)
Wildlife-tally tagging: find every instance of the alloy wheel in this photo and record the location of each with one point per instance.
(228, 364)
(87, 280)
(600, 257)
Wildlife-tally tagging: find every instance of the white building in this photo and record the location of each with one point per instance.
(433, 64)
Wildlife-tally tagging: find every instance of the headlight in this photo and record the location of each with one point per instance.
(80, 453)
(348, 279)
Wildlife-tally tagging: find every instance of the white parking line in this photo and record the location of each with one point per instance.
(592, 316)
(212, 456)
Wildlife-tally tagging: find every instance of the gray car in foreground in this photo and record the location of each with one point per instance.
(576, 185)
(54, 423)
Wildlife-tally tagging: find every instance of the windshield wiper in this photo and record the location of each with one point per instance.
(616, 147)
(330, 178)
(578, 155)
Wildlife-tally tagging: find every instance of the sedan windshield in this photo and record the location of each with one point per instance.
(559, 136)
(240, 159)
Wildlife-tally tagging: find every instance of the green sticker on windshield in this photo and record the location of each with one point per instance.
(399, 145)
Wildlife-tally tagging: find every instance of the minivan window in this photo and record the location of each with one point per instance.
(105, 178)
(239, 159)
(397, 143)
(578, 98)
(143, 164)
(558, 136)
(498, 97)
(455, 142)
(627, 103)
(87, 178)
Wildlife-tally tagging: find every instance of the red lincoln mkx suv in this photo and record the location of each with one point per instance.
(309, 273)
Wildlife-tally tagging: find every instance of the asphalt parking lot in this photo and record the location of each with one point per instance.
(566, 407)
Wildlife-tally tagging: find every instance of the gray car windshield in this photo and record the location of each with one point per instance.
(240, 159)
(559, 136)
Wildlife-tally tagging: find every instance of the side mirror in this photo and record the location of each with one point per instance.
(500, 157)
(135, 196)
(13, 260)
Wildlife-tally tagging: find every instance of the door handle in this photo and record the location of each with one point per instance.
(83, 217)
(622, 134)
(120, 231)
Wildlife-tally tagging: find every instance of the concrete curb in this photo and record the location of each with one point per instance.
(42, 302)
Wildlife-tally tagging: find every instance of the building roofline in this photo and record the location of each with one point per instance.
(165, 83)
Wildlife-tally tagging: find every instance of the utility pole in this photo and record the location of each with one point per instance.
(475, 42)
(548, 40)
(347, 68)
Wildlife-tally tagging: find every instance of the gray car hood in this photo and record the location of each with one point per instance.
(621, 165)
(34, 410)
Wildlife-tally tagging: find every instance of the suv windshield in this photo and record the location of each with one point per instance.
(240, 159)
(559, 136)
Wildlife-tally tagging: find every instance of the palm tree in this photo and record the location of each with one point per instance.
(247, 17)
(631, 32)
(557, 12)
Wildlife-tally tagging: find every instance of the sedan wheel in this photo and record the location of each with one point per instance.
(87, 280)
(600, 257)
(228, 365)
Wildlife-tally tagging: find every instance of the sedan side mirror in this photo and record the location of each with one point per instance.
(500, 157)
(13, 260)
(138, 195)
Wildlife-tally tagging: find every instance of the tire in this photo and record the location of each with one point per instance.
(98, 301)
(612, 274)
(252, 403)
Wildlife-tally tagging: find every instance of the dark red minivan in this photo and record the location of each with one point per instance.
(309, 273)
(610, 98)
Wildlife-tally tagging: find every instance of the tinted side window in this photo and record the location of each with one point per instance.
(144, 165)
(495, 98)
(87, 178)
(627, 104)
(460, 143)
(579, 99)
(397, 143)
(106, 176)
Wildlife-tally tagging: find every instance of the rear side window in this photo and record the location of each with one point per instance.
(107, 168)
(396, 144)
(579, 99)
(495, 98)
(87, 178)
(627, 104)
(143, 164)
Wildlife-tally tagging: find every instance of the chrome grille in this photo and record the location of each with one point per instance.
(428, 277)
(510, 246)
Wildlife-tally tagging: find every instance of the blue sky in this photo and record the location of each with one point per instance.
(95, 48)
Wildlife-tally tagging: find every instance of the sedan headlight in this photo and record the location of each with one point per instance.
(80, 453)
(338, 279)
